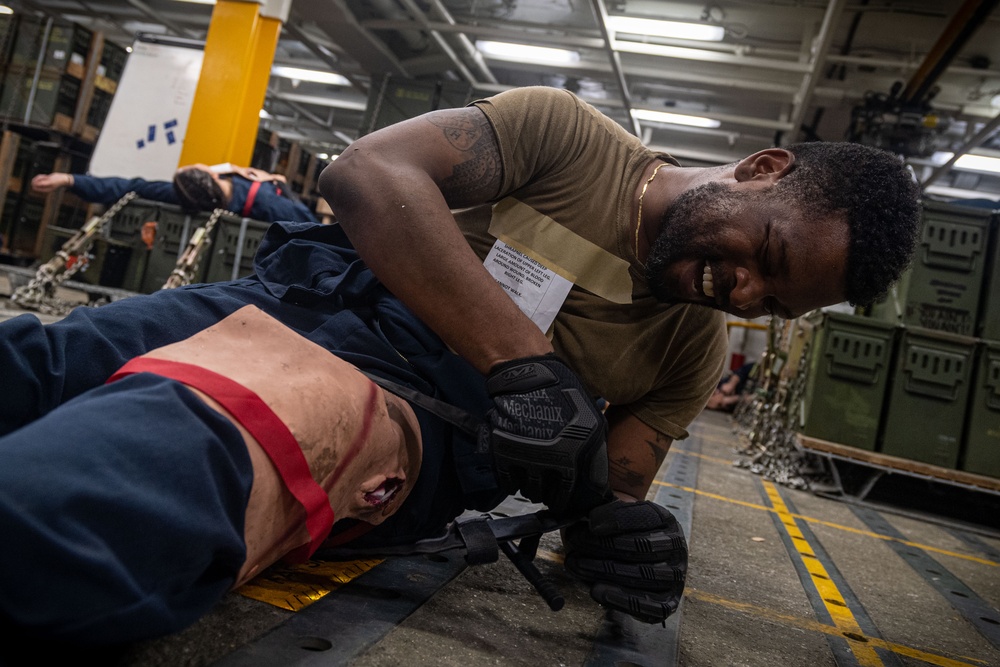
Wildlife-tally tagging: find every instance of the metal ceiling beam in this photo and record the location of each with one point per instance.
(722, 54)
(495, 32)
(421, 18)
(470, 49)
(337, 22)
(159, 18)
(817, 58)
(601, 14)
(296, 31)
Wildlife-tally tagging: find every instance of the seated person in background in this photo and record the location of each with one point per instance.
(731, 388)
(251, 193)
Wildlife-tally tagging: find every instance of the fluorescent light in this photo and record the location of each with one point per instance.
(199, 2)
(673, 118)
(309, 75)
(526, 53)
(940, 157)
(978, 163)
(675, 29)
(4, 9)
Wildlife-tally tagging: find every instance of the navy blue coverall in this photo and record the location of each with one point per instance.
(269, 204)
(122, 505)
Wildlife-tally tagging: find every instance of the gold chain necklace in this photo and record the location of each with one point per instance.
(638, 222)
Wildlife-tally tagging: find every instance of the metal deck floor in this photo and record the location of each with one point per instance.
(777, 577)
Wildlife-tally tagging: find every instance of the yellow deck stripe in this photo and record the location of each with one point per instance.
(833, 600)
(295, 587)
(812, 625)
(837, 526)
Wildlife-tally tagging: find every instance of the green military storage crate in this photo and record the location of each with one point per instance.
(394, 101)
(847, 376)
(49, 101)
(8, 32)
(925, 412)
(981, 452)
(19, 222)
(941, 289)
(126, 227)
(989, 312)
(235, 244)
(60, 47)
(107, 259)
(173, 229)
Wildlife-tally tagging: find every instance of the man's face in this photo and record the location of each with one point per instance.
(743, 250)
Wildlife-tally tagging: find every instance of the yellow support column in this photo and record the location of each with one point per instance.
(239, 51)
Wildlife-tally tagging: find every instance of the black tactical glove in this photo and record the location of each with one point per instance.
(635, 556)
(548, 438)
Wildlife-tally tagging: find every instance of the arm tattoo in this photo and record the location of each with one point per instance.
(635, 476)
(620, 469)
(478, 177)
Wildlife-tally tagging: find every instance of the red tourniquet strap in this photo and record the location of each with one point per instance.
(254, 187)
(265, 426)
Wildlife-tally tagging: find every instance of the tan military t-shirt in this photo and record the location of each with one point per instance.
(569, 174)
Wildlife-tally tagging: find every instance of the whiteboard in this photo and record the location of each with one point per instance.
(145, 126)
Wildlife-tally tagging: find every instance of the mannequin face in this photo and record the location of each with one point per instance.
(384, 472)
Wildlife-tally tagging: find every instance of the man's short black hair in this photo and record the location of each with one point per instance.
(196, 190)
(880, 199)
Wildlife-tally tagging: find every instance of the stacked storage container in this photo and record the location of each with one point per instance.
(45, 70)
(919, 377)
(847, 378)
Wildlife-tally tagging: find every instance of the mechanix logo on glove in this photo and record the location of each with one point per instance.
(533, 415)
(549, 440)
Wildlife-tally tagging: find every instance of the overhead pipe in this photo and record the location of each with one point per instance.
(969, 17)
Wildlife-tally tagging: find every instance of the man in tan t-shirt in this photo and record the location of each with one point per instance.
(583, 270)
(646, 256)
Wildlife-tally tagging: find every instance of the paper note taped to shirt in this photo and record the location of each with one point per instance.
(538, 291)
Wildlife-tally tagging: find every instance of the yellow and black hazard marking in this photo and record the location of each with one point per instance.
(829, 595)
(812, 625)
(295, 587)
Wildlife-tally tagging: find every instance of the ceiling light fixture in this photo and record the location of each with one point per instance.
(313, 75)
(526, 53)
(978, 163)
(674, 118)
(199, 2)
(675, 29)
(4, 9)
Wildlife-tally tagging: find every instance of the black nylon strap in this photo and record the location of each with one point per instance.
(453, 415)
(480, 542)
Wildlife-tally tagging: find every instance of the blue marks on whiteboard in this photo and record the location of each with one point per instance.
(169, 127)
(169, 133)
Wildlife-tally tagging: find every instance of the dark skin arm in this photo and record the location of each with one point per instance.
(635, 453)
(393, 191)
